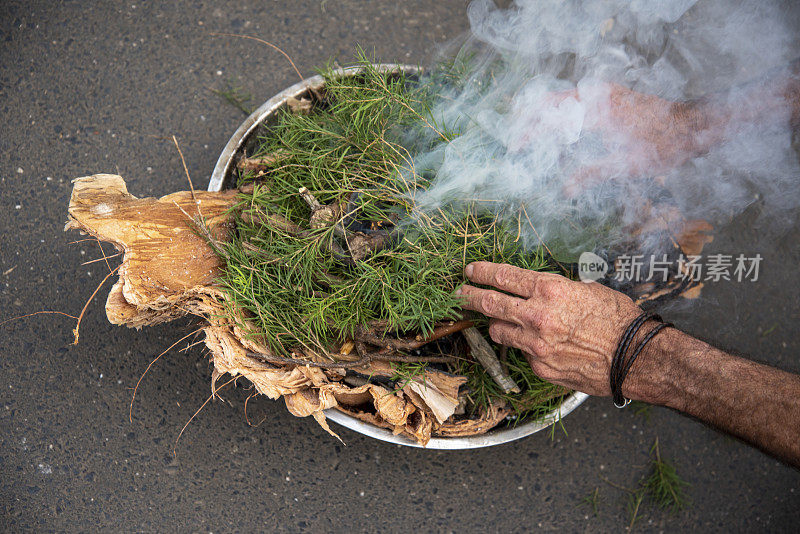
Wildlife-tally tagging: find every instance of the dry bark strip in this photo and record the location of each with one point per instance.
(260, 163)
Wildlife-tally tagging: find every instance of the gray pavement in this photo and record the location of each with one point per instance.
(89, 87)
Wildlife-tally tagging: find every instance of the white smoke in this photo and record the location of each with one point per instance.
(536, 117)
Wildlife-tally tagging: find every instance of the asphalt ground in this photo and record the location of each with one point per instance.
(89, 87)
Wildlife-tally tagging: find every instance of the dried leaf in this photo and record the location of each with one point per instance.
(300, 105)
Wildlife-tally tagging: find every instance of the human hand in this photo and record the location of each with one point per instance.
(643, 134)
(568, 330)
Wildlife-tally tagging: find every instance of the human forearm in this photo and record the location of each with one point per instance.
(569, 331)
(772, 99)
(647, 135)
(757, 403)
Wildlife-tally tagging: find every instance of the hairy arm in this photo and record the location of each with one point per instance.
(772, 99)
(755, 402)
(569, 331)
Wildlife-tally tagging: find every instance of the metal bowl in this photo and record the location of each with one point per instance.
(245, 138)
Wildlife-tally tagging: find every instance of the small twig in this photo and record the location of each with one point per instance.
(245, 407)
(385, 355)
(213, 394)
(76, 331)
(262, 41)
(136, 388)
(190, 345)
(483, 352)
(186, 170)
(503, 357)
(259, 163)
(103, 252)
(255, 216)
(38, 313)
(245, 412)
(310, 199)
(398, 344)
(400, 357)
(106, 258)
(271, 358)
(322, 215)
(446, 329)
(634, 504)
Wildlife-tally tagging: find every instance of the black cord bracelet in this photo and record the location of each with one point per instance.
(622, 347)
(620, 365)
(650, 335)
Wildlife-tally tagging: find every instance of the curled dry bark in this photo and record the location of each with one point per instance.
(168, 270)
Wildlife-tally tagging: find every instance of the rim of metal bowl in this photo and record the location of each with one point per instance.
(222, 174)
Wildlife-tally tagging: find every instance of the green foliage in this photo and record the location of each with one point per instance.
(634, 503)
(349, 152)
(235, 96)
(405, 372)
(592, 500)
(663, 484)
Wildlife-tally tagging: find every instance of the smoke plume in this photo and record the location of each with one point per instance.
(565, 113)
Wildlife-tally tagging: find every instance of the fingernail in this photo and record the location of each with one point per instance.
(458, 291)
(468, 271)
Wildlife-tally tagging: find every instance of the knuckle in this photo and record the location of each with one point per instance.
(540, 369)
(492, 303)
(497, 333)
(503, 275)
(542, 288)
(505, 334)
(544, 321)
(547, 373)
(489, 302)
(549, 289)
(530, 317)
(539, 347)
(494, 328)
(538, 319)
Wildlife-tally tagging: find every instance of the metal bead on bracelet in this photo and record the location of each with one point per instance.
(620, 364)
